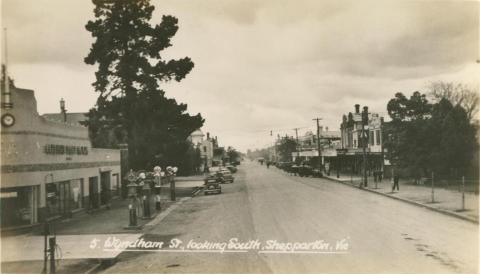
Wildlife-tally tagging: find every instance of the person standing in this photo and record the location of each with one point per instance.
(396, 178)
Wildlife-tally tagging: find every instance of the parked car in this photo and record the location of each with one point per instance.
(232, 169)
(212, 183)
(227, 176)
(305, 170)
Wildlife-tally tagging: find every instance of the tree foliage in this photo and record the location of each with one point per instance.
(458, 94)
(426, 137)
(131, 107)
(285, 149)
(233, 154)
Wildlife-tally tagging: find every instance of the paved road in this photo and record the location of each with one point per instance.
(383, 235)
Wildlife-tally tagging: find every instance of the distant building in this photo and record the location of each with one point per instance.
(205, 145)
(308, 148)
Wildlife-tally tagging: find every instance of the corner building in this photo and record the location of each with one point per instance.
(49, 169)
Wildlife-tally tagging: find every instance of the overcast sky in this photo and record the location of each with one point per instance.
(261, 65)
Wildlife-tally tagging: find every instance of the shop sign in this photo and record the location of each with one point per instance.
(8, 194)
(54, 149)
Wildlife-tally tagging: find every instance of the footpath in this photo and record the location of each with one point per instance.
(75, 237)
(447, 201)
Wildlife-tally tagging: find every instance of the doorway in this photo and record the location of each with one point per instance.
(105, 187)
(93, 189)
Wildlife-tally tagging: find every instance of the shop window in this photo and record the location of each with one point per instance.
(18, 206)
(53, 206)
(76, 194)
(60, 198)
(377, 136)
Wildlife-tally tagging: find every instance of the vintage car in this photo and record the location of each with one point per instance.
(231, 168)
(227, 175)
(305, 170)
(212, 183)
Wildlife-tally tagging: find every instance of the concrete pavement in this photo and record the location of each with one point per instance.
(446, 201)
(75, 236)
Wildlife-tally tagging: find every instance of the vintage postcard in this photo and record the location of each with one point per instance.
(239, 136)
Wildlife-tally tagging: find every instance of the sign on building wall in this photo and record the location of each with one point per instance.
(54, 149)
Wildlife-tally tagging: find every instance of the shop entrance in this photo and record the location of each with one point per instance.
(93, 189)
(64, 198)
(105, 187)
(58, 198)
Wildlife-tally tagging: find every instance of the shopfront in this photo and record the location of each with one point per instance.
(49, 169)
(19, 205)
(64, 198)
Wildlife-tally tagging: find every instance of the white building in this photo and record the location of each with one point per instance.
(205, 145)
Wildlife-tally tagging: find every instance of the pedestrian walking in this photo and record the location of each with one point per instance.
(396, 178)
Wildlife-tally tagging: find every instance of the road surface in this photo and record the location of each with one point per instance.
(382, 235)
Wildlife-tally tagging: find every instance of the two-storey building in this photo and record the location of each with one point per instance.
(356, 133)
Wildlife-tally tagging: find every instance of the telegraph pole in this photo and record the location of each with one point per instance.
(318, 145)
(296, 142)
(364, 143)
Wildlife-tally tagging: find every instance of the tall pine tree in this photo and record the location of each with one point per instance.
(131, 107)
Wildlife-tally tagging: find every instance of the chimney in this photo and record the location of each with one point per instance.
(208, 136)
(357, 108)
(63, 110)
(7, 101)
(326, 128)
(365, 115)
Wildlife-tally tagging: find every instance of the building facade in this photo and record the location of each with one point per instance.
(307, 150)
(354, 134)
(49, 168)
(205, 146)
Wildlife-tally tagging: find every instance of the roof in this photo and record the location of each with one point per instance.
(72, 118)
(330, 134)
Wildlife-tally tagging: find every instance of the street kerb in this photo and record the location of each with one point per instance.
(438, 210)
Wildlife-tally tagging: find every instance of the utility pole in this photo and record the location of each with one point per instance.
(318, 146)
(296, 142)
(364, 143)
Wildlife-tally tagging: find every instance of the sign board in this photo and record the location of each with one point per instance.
(54, 149)
(8, 194)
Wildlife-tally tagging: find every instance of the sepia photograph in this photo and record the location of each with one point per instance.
(240, 136)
